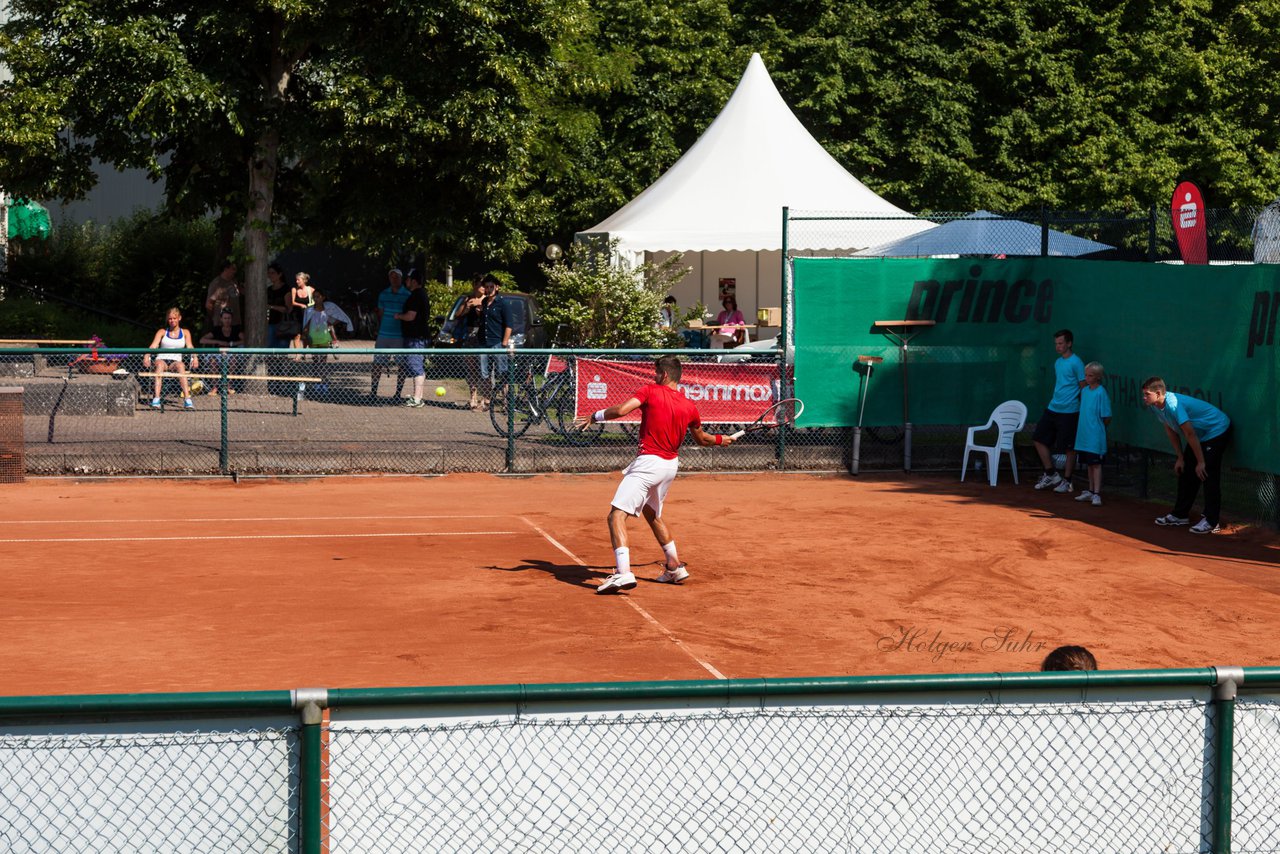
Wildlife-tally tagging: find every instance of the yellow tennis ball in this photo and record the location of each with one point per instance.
(439, 391)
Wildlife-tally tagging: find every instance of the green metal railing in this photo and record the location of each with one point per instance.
(1061, 742)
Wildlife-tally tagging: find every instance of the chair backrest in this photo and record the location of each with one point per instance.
(1009, 417)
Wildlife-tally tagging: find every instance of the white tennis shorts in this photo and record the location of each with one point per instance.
(645, 481)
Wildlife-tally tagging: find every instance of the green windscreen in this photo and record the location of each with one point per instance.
(1208, 331)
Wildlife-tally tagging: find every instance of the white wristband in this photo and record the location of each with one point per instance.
(598, 416)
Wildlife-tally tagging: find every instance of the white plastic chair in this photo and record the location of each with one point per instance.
(1009, 417)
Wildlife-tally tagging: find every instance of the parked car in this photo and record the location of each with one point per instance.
(527, 328)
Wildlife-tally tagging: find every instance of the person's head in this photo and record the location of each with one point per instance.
(413, 280)
(1094, 374)
(275, 273)
(1063, 341)
(394, 277)
(729, 303)
(1069, 658)
(666, 369)
(317, 298)
(173, 317)
(228, 270)
(491, 284)
(302, 279)
(477, 286)
(226, 319)
(670, 300)
(1153, 392)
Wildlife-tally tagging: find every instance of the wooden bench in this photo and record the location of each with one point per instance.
(222, 391)
(36, 342)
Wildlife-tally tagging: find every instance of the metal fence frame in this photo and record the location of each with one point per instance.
(1219, 688)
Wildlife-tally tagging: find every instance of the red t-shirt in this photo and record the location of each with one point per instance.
(665, 416)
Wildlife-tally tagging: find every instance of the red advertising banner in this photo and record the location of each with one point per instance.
(1188, 224)
(723, 393)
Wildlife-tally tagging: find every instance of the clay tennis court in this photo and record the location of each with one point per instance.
(208, 585)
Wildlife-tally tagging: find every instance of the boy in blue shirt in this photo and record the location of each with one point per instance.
(1091, 433)
(1056, 429)
(1207, 431)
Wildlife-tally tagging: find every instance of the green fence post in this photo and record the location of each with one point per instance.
(511, 410)
(1224, 703)
(224, 457)
(310, 703)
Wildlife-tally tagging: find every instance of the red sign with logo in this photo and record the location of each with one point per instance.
(1188, 224)
(723, 393)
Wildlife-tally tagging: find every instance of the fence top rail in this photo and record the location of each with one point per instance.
(107, 353)
(1255, 678)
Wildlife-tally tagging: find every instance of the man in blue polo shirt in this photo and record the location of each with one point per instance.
(1056, 429)
(390, 335)
(1207, 431)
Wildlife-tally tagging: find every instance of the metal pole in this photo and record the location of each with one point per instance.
(224, 457)
(783, 368)
(511, 410)
(310, 703)
(1224, 703)
(1044, 233)
(906, 411)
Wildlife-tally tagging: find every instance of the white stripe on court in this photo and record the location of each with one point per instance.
(171, 520)
(675, 640)
(328, 536)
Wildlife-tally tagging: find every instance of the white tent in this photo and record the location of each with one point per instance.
(721, 203)
(984, 233)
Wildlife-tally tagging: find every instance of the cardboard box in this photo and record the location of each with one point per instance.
(769, 317)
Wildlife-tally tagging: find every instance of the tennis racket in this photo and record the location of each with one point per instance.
(782, 412)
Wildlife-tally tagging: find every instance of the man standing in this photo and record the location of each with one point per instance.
(1207, 431)
(665, 416)
(223, 295)
(1056, 430)
(414, 329)
(497, 330)
(390, 304)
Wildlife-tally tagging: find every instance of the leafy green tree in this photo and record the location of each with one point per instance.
(372, 125)
(597, 303)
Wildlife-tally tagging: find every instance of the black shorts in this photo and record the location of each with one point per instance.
(1088, 458)
(1057, 430)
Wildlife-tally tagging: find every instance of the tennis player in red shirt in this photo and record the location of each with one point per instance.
(665, 416)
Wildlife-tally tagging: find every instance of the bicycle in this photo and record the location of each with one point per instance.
(514, 410)
(366, 317)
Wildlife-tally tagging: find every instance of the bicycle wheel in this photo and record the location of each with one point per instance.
(523, 415)
(561, 407)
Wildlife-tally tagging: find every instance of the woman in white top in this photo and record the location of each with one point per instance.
(172, 337)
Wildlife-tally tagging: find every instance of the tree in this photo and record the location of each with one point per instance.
(594, 302)
(373, 125)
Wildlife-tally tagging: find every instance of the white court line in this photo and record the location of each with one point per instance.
(328, 536)
(675, 640)
(171, 520)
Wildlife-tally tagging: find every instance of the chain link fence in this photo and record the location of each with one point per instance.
(177, 790)
(1142, 761)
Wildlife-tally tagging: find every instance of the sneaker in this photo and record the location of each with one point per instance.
(1064, 487)
(1048, 480)
(1169, 520)
(155, 403)
(1204, 526)
(1084, 495)
(617, 581)
(1096, 500)
(187, 404)
(414, 403)
(673, 576)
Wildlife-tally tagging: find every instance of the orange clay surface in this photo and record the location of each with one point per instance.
(139, 586)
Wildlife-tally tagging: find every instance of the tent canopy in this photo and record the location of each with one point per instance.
(727, 192)
(984, 233)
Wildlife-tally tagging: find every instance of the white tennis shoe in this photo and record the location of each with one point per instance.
(673, 576)
(1204, 526)
(617, 581)
(1169, 520)
(1085, 495)
(1064, 487)
(1048, 480)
